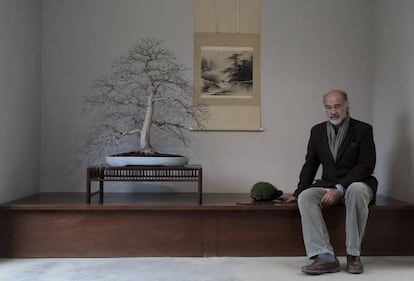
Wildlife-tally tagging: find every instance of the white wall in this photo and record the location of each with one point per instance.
(308, 47)
(394, 97)
(20, 98)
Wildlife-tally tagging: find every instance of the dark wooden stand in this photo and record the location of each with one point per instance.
(190, 173)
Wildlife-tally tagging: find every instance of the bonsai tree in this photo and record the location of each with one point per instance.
(144, 95)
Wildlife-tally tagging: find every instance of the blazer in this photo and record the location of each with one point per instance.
(355, 160)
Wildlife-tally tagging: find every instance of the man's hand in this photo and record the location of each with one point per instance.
(331, 196)
(288, 198)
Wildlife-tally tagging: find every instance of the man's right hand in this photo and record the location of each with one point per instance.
(288, 198)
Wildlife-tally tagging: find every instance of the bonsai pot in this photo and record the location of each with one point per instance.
(129, 159)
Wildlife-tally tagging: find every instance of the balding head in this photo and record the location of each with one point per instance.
(337, 92)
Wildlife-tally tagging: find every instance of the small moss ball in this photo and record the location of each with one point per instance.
(264, 191)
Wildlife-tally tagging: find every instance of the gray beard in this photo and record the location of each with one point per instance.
(335, 122)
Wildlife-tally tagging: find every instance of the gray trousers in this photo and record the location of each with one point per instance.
(315, 234)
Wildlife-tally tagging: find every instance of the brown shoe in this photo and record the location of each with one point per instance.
(354, 265)
(318, 267)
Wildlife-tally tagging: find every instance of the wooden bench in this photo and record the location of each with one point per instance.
(128, 224)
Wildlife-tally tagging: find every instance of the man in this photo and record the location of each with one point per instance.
(345, 148)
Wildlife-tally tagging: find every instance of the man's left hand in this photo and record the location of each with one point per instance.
(331, 196)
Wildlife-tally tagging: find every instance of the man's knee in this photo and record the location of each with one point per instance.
(356, 187)
(303, 196)
(358, 190)
(303, 199)
(307, 197)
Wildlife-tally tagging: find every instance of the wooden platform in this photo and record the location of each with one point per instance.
(62, 225)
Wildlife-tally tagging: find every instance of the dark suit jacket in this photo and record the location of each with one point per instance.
(355, 161)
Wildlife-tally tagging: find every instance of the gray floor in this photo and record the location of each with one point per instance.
(194, 269)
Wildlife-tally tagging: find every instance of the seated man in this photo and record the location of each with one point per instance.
(345, 148)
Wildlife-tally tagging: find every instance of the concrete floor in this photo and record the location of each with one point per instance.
(194, 269)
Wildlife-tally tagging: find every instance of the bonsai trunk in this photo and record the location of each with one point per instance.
(145, 137)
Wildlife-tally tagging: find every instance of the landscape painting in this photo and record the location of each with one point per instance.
(226, 72)
(227, 80)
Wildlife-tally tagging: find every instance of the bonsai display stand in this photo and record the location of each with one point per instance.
(188, 173)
